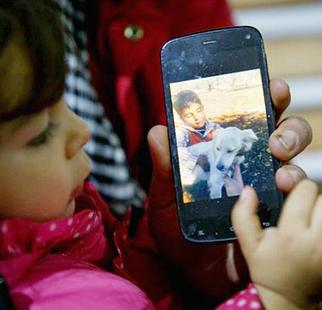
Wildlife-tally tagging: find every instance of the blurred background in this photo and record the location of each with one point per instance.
(292, 31)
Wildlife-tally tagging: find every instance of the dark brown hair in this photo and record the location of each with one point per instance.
(32, 52)
(184, 98)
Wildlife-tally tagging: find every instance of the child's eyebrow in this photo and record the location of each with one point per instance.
(20, 123)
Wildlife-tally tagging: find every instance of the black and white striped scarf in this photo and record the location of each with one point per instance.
(109, 171)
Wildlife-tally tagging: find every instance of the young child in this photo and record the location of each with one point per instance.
(50, 245)
(197, 128)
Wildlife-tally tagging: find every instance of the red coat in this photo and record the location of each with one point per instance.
(126, 71)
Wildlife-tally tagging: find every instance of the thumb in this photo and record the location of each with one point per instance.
(161, 189)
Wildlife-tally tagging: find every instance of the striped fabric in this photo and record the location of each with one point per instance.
(109, 171)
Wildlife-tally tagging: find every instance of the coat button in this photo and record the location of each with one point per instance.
(133, 32)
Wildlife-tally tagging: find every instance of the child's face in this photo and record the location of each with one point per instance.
(42, 164)
(194, 115)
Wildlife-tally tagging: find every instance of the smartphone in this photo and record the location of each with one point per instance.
(220, 116)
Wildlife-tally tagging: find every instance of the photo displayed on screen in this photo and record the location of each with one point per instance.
(222, 135)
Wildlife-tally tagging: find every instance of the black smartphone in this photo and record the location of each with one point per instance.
(220, 116)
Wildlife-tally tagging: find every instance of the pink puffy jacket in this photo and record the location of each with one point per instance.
(54, 265)
(61, 264)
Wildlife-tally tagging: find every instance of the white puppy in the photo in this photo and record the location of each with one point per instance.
(224, 152)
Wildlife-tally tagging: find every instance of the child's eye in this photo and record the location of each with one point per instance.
(44, 136)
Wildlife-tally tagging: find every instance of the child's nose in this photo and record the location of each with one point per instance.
(78, 136)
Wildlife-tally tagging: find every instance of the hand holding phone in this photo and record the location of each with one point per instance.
(219, 119)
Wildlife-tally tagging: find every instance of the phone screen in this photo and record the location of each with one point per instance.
(220, 117)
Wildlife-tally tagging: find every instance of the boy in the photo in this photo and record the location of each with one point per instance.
(197, 128)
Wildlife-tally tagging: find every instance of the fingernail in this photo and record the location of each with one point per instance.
(295, 175)
(288, 139)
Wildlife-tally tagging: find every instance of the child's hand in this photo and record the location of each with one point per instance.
(284, 261)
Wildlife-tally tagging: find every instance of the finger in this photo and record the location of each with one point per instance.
(246, 222)
(280, 93)
(316, 219)
(161, 192)
(290, 138)
(288, 176)
(297, 209)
